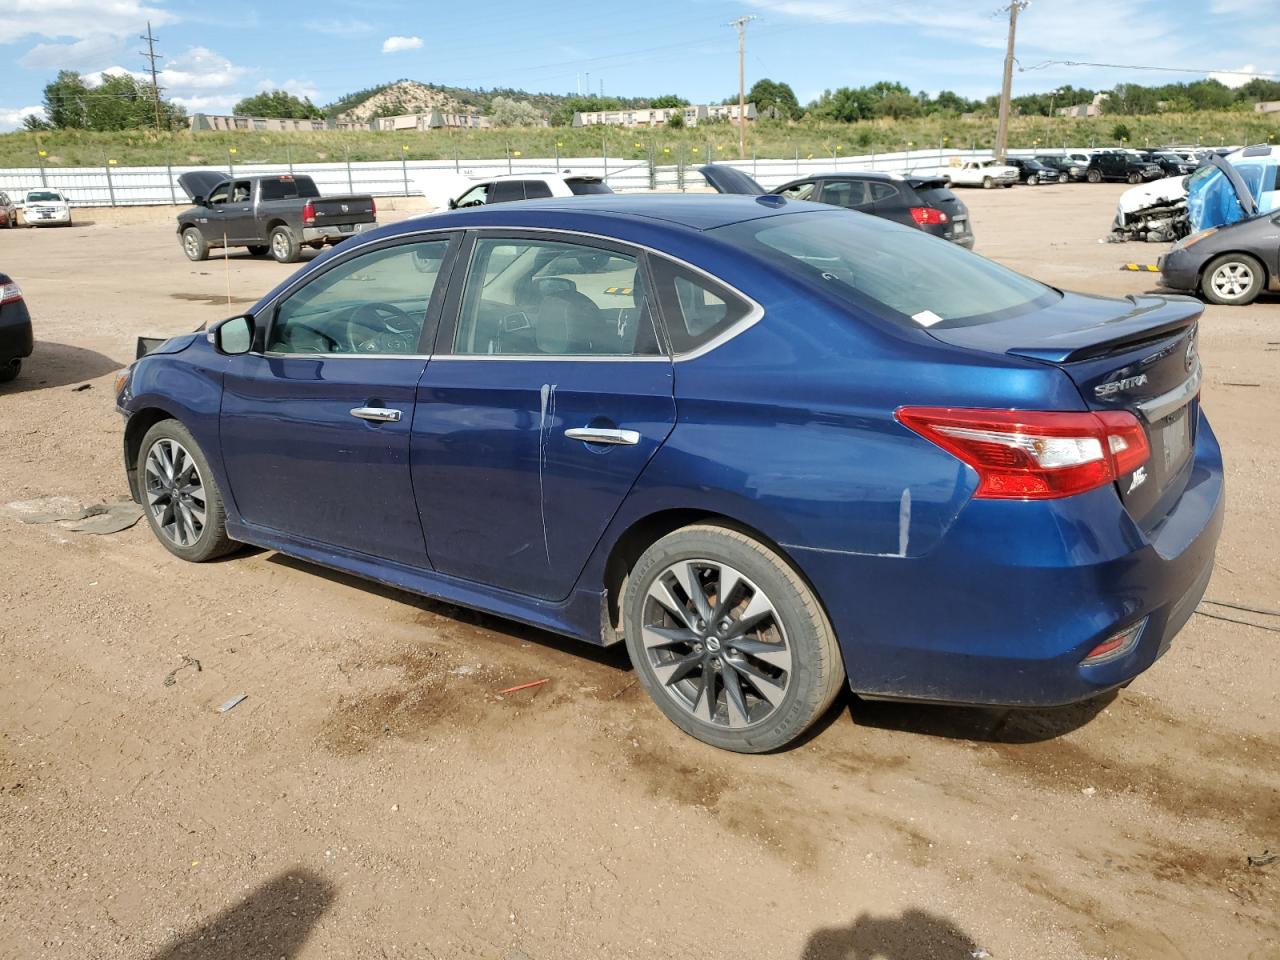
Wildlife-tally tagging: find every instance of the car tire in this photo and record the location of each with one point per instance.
(987, 183)
(9, 371)
(194, 245)
(1233, 279)
(173, 477)
(1135, 178)
(259, 250)
(284, 245)
(762, 698)
(1093, 176)
(1033, 180)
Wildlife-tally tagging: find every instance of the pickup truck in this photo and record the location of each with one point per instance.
(277, 215)
(981, 173)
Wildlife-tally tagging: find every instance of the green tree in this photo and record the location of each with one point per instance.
(277, 103)
(66, 101)
(668, 100)
(506, 112)
(773, 96)
(1120, 132)
(844, 105)
(119, 102)
(676, 121)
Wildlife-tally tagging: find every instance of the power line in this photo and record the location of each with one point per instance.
(1134, 66)
(151, 56)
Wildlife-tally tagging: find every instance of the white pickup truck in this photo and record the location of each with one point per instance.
(981, 173)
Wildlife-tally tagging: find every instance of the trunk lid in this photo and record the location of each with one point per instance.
(935, 192)
(1138, 354)
(200, 183)
(726, 179)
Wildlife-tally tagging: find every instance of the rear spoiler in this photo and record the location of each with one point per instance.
(1152, 319)
(927, 183)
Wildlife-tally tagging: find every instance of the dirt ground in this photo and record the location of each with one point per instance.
(374, 796)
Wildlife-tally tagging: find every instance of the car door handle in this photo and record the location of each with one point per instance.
(628, 438)
(377, 414)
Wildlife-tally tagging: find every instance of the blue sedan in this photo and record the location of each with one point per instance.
(772, 446)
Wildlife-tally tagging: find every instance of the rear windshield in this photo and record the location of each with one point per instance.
(582, 187)
(36, 196)
(289, 188)
(936, 195)
(893, 271)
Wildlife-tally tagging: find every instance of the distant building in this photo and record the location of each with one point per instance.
(207, 121)
(1267, 106)
(660, 116)
(433, 120)
(1093, 109)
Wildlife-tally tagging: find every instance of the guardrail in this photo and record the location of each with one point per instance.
(116, 186)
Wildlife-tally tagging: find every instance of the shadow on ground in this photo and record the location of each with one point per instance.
(273, 921)
(983, 724)
(54, 365)
(916, 935)
(614, 656)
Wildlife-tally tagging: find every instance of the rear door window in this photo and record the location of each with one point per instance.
(881, 192)
(695, 308)
(847, 193)
(800, 191)
(536, 190)
(505, 191)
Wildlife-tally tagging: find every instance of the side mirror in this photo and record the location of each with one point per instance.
(453, 203)
(233, 337)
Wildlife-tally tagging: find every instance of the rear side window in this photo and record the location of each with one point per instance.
(882, 191)
(288, 188)
(536, 190)
(580, 188)
(505, 191)
(696, 308)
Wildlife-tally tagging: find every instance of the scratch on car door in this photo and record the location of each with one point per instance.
(546, 421)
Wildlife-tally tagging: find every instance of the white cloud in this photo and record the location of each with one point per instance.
(12, 119)
(1231, 79)
(200, 69)
(78, 18)
(95, 77)
(216, 103)
(339, 28)
(303, 89)
(79, 55)
(400, 44)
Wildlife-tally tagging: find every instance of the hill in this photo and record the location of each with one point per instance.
(411, 96)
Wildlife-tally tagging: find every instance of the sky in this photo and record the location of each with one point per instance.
(215, 54)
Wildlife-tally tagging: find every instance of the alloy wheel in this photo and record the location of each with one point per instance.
(192, 244)
(175, 492)
(1232, 280)
(279, 246)
(716, 643)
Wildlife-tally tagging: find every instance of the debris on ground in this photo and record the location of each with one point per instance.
(172, 676)
(234, 701)
(526, 686)
(1266, 858)
(979, 953)
(82, 387)
(108, 516)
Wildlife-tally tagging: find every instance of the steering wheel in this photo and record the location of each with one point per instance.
(393, 329)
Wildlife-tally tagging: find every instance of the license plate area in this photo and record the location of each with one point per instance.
(1175, 439)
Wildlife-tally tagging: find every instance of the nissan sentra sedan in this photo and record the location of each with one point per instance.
(774, 448)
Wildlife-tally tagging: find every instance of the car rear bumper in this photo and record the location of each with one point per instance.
(334, 232)
(1004, 609)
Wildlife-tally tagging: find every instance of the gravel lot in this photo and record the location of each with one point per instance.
(374, 796)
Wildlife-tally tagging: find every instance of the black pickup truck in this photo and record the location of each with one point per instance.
(277, 215)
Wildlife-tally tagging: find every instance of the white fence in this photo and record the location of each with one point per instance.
(136, 186)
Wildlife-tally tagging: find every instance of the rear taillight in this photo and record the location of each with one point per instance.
(926, 216)
(308, 214)
(1115, 646)
(10, 293)
(1034, 455)
(373, 207)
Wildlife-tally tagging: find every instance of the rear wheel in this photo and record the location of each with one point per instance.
(1233, 279)
(9, 371)
(728, 640)
(180, 496)
(194, 245)
(284, 245)
(1093, 176)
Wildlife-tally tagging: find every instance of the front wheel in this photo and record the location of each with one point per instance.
(1135, 178)
(987, 183)
(194, 245)
(1032, 180)
(1233, 279)
(180, 496)
(284, 245)
(728, 640)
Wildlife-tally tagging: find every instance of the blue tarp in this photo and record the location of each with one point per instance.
(1212, 201)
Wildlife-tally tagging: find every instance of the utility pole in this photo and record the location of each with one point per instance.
(1002, 130)
(741, 24)
(151, 56)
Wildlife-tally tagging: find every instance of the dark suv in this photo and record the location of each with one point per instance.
(1120, 165)
(1172, 164)
(923, 202)
(1032, 172)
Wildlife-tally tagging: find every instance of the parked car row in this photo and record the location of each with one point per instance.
(40, 208)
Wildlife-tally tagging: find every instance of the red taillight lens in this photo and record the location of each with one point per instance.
(373, 207)
(1115, 646)
(10, 292)
(927, 215)
(1034, 455)
(308, 214)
